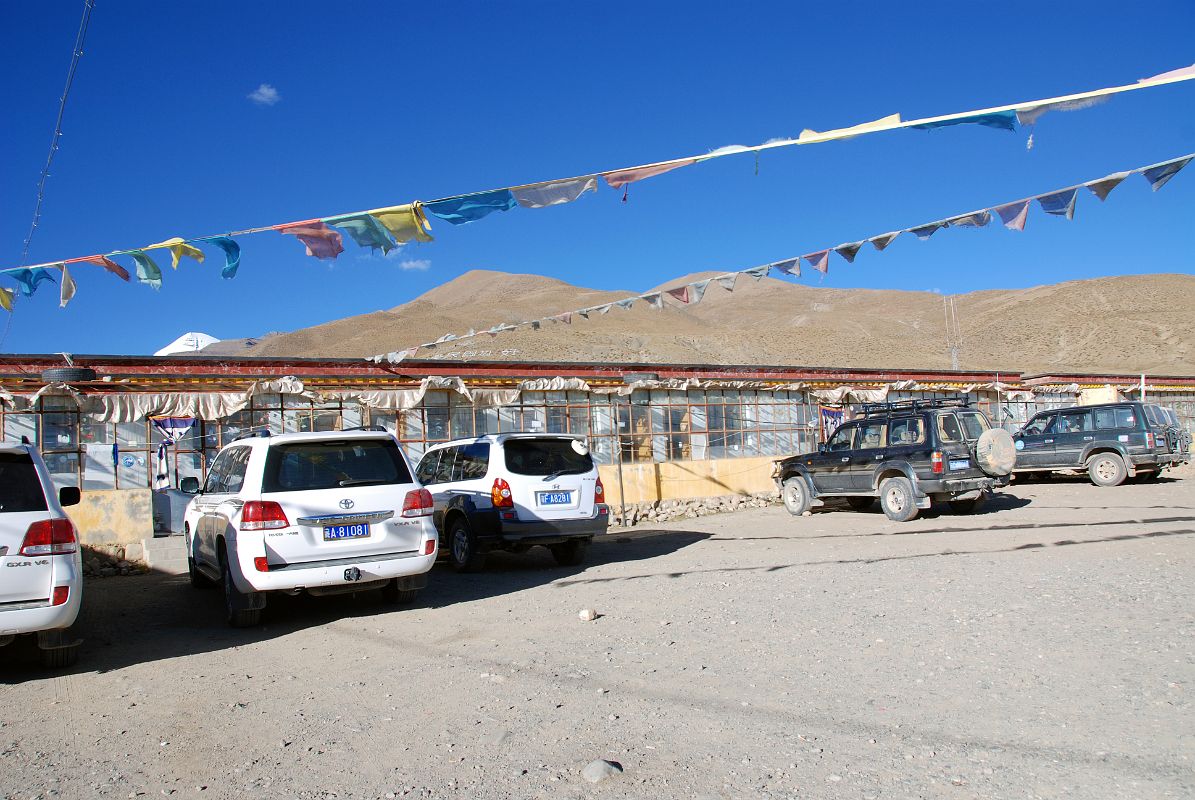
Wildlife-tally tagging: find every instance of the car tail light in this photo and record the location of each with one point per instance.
(418, 503)
(50, 537)
(599, 492)
(500, 494)
(429, 547)
(263, 515)
(936, 460)
(261, 564)
(1150, 441)
(61, 593)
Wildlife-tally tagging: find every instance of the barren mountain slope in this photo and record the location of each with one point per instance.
(1122, 324)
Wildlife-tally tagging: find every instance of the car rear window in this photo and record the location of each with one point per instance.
(1152, 415)
(546, 457)
(333, 464)
(20, 489)
(974, 424)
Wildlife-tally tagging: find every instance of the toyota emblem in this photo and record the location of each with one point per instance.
(346, 503)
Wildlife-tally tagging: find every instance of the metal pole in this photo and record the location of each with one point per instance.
(1142, 387)
(622, 497)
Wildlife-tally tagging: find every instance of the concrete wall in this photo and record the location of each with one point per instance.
(113, 516)
(677, 480)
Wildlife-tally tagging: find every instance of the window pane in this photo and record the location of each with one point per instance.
(697, 418)
(132, 435)
(132, 469)
(437, 423)
(96, 432)
(351, 416)
(324, 420)
(98, 470)
(602, 420)
(63, 467)
(486, 420)
(578, 420)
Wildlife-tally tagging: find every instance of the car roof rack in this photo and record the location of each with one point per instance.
(259, 433)
(372, 428)
(873, 409)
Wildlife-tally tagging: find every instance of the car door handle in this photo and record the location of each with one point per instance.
(846, 458)
(1048, 441)
(1088, 438)
(879, 456)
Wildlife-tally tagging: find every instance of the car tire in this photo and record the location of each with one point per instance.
(795, 493)
(236, 617)
(462, 547)
(198, 579)
(1106, 469)
(67, 374)
(570, 553)
(968, 506)
(396, 596)
(860, 503)
(897, 499)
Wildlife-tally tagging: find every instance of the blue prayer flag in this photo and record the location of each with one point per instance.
(366, 231)
(29, 279)
(1005, 120)
(459, 210)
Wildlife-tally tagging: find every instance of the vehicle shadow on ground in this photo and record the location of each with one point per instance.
(1028, 547)
(994, 504)
(138, 619)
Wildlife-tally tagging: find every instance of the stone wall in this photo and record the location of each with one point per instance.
(113, 516)
(665, 510)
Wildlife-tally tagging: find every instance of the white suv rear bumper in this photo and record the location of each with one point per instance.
(34, 617)
(336, 572)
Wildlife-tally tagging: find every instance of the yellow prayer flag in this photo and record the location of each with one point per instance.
(178, 249)
(6, 299)
(404, 222)
(846, 133)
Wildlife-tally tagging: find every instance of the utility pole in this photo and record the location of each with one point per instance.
(954, 334)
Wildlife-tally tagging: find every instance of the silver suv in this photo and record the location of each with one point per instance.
(41, 569)
(324, 513)
(511, 491)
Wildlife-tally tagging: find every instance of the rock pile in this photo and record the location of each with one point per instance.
(110, 560)
(665, 510)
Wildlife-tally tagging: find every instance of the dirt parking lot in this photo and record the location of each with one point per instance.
(1043, 648)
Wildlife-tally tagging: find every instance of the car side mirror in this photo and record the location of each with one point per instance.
(823, 448)
(68, 496)
(189, 485)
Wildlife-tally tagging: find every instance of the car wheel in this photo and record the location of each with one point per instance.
(795, 493)
(463, 544)
(968, 506)
(860, 503)
(897, 499)
(198, 579)
(400, 597)
(570, 553)
(1106, 469)
(233, 598)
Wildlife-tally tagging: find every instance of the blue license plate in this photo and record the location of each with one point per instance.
(961, 463)
(555, 498)
(332, 532)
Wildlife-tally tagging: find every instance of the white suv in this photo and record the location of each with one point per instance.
(326, 512)
(511, 491)
(41, 570)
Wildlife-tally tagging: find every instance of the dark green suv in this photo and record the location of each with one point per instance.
(1111, 441)
(909, 454)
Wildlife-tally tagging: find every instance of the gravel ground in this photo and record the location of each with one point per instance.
(1043, 648)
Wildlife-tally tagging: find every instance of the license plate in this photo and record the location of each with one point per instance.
(959, 463)
(333, 532)
(555, 498)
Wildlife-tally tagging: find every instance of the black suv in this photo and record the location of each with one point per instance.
(909, 454)
(1112, 441)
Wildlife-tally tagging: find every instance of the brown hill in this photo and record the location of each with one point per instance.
(1123, 324)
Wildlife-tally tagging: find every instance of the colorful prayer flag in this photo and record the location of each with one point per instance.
(365, 230)
(620, 178)
(848, 251)
(925, 231)
(470, 208)
(727, 281)
(67, 289)
(232, 255)
(148, 271)
(883, 240)
(1005, 120)
(1060, 204)
(554, 193)
(6, 299)
(108, 264)
(820, 261)
(1104, 186)
(1014, 215)
(30, 279)
(321, 241)
(178, 249)
(790, 266)
(1160, 175)
(404, 222)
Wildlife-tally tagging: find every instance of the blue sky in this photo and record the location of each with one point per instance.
(384, 103)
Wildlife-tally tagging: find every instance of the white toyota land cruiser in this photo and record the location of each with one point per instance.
(324, 513)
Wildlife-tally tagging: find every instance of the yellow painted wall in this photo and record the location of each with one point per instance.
(681, 480)
(113, 516)
(1102, 394)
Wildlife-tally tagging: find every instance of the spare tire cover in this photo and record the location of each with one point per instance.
(995, 452)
